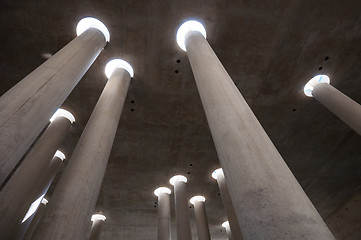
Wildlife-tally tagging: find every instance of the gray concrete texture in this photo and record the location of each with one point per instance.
(269, 48)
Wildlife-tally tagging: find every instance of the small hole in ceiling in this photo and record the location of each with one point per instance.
(294, 109)
(155, 202)
(320, 68)
(188, 172)
(132, 109)
(219, 194)
(155, 206)
(191, 165)
(326, 58)
(190, 206)
(132, 101)
(176, 71)
(178, 61)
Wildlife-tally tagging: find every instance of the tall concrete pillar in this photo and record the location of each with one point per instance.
(181, 207)
(228, 230)
(164, 221)
(26, 108)
(98, 222)
(227, 203)
(34, 176)
(268, 200)
(73, 201)
(201, 217)
(338, 103)
(35, 220)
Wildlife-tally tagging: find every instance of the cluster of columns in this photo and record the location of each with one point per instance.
(25, 110)
(261, 195)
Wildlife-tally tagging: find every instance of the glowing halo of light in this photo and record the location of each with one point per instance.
(175, 178)
(310, 85)
(62, 113)
(98, 216)
(216, 172)
(118, 63)
(197, 198)
(160, 190)
(185, 28)
(90, 22)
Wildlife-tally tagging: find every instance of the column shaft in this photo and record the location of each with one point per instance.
(73, 201)
(164, 227)
(34, 222)
(27, 107)
(229, 233)
(202, 222)
(341, 105)
(96, 229)
(32, 178)
(228, 206)
(181, 211)
(268, 200)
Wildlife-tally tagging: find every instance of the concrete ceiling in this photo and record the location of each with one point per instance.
(270, 49)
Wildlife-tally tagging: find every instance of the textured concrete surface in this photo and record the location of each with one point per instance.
(270, 49)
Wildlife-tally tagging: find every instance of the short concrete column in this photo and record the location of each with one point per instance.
(228, 230)
(201, 217)
(26, 108)
(338, 103)
(35, 220)
(98, 222)
(73, 201)
(181, 207)
(227, 203)
(268, 200)
(164, 221)
(34, 176)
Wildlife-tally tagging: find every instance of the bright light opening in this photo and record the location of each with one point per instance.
(60, 155)
(98, 217)
(118, 63)
(185, 28)
(90, 22)
(33, 207)
(160, 190)
(178, 178)
(313, 82)
(216, 172)
(63, 113)
(44, 201)
(197, 198)
(225, 224)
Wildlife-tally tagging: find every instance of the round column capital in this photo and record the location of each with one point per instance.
(62, 113)
(197, 198)
(60, 155)
(98, 216)
(160, 190)
(311, 84)
(118, 63)
(216, 172)
(187, 27)
(225, 224)
(176, 178)
(90, 22)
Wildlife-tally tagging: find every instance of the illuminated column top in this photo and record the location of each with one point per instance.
(62, 113)
(187, 27)
(311, 84)
(160, 190)
(90, 22)
(118, 63)
(98, 216)
(197, 198)
(176, 178)
(216, 172)
(60, 155)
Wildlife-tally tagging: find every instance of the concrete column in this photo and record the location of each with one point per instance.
(228, 230)
(338, 103)
(34, 176)
(26, 108)
(181, 207)
(268, 200)
(227, 203)
(201, 217)
(164, 221)
(98, 222)
(35, 221)
(73, 201)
